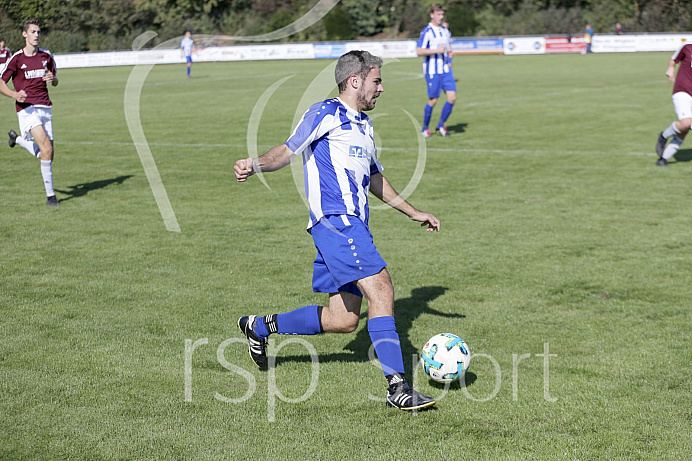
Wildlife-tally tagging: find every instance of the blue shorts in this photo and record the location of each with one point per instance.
(188, 58)
(439, 82)
(345, 254)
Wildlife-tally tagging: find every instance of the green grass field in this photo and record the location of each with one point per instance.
(565, 262)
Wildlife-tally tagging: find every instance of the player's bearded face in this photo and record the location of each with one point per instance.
(370, 90)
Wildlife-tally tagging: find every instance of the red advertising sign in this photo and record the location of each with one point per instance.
(565, 44)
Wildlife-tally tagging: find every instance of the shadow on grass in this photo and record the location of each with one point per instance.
(406, 310)
(683, 155)
(458, 128)
(80, 190)
(469, 378)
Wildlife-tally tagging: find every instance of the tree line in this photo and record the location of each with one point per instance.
(94, 25)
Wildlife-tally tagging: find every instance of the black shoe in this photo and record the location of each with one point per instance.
(661, 162)
(258, 346)
(660, 144)
(52, 201)
(404, 398)
(13, 138)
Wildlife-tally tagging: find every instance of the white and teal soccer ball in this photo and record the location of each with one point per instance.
(445, 357)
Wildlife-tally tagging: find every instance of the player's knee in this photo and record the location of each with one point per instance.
(452, 99)
(685, 124)
(46, 152)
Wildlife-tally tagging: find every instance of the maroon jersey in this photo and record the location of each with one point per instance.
(683, 56)
(5, 54)
(27, 74)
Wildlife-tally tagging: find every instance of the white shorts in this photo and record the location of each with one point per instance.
(34, 116)
(683, 105)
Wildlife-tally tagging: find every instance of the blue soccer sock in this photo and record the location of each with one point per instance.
(387, 346)
(302, 321)
(427, 114)
(261, 327)
(446, 112)
(188, 72)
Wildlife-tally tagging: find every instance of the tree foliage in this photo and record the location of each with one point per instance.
(78, 25)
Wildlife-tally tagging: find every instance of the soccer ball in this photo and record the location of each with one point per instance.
(445, 358)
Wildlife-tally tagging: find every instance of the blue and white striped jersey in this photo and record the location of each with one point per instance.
(186, 44)
(431, 38)
(339, 156)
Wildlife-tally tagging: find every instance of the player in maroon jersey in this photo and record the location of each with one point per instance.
(682, 101)
(31, 70)
(5, 54)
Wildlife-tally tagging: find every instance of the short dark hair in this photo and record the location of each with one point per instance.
(30, 22)
(354, 62)
(436, 7)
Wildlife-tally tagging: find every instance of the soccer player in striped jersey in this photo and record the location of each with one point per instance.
(31, 69)
(186, 47)
(335, 140)
(434, 46)
(682, 102)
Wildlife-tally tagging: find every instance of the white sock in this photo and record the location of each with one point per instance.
(47, 172)
(672, 148)
(32, 147)
(670, 131)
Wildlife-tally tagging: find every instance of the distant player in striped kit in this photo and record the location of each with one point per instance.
(335, 140)
(31, 69)
(682, 101)
(435, 47)
(186, 48)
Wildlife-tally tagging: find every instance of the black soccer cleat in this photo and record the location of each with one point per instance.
(13, 138)
(404, 398)
(52, 201)
(660, 144)
(661, 162)
(258, 346)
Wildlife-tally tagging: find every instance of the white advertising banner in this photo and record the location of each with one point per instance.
(385, 49)
(660, 42)
(390, 49)
(173, 55)
(524, 45)
(614, 44)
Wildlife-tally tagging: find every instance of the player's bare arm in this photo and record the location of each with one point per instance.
(428, 51)
(670, 72)
(274, 159)
(20, 95)
(383, 190)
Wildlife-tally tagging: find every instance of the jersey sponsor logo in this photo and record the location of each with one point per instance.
(38, 73)
(356, 152)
